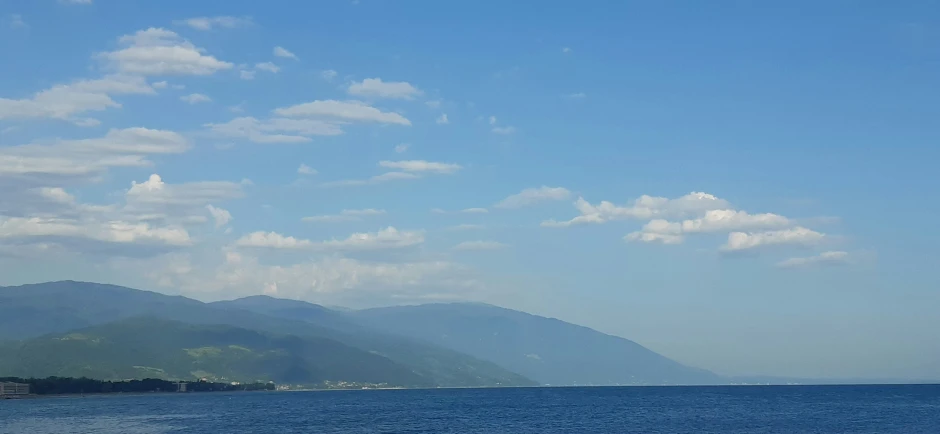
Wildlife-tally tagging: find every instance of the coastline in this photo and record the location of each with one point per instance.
(223, 392)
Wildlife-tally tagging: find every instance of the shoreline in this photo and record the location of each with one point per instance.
(106, 394)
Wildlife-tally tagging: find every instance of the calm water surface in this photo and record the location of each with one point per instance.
(846, 409)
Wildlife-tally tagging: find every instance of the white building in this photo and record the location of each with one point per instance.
(8, 389)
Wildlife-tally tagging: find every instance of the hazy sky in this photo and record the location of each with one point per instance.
(743, 186)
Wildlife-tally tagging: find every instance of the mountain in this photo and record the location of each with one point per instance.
(290, 309)
(547, 350)
(156, 348)
(460, 345)
(32, 310)
(447, 366)
(29, 311)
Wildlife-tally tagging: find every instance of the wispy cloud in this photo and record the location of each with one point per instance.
(195, 98)
(504, 130)
(421, 166)
(531, 196)
(346, 215)
(824, 258)
(283, 52)
(209, 23)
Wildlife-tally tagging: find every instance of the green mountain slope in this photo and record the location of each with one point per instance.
(29, 311)
(156, 348)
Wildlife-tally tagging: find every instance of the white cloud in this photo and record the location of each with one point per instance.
(275, 130)
(246, 74)
(328, 74)
(208, 23)
(442, 119)
(76, 2)
(500, 130)
(705, 213)
(109, 232)
(195, 98)
(531, 196)
(353, 111)
(272, 240)
(66, 100)
(566, 50)
(388, 238)
(421, 166)
(504, 130)
(270, 289)
(738, 241)
(643, 208)
(157, 51)
(160, 85)
(391, 176)
(720, 220)
(400, 148)
(221, 216)
(282, 52)
(654, 237)
(341, 280)
(577, 95)
(462, 211)
(306, 170)
(133, 141)
(377, 179)
(156, 195)
(268, 66)
(63, 220)
(375, 87)
(86, 158)
(151, 219)
(434, 103)
(824, 258)
(363, 212)
(345, 215)
(480, 245)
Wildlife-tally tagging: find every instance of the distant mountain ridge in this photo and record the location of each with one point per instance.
(460, 344)
(547, 350)
(31, 311)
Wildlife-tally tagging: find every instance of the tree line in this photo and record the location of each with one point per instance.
(69, 385)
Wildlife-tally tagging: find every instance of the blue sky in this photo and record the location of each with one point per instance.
(746, 188)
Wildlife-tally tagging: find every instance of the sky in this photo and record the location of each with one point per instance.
(742, 186)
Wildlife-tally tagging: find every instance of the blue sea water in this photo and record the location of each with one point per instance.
(648, 410)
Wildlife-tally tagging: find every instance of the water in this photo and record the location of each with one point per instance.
(674, 410)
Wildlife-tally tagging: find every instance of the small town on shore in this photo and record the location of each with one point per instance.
(13, 388)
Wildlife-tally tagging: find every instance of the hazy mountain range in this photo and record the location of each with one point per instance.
(111, 332)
